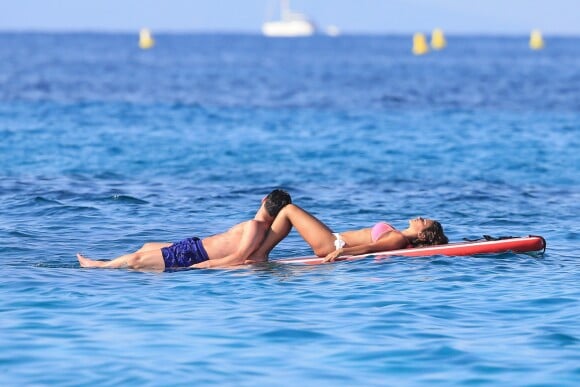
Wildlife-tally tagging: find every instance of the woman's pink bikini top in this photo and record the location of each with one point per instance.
(380, 229)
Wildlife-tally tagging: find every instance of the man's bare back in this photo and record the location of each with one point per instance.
(241, 241)
(220, 245)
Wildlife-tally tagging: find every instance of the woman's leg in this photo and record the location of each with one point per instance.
(311, 229)
(150, 259)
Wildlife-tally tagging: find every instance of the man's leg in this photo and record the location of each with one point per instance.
(153, 246)
(151, 259)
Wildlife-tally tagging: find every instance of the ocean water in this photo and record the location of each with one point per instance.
(104, 147)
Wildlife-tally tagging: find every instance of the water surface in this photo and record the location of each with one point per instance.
(105, 147)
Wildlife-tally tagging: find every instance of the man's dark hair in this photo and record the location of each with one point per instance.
(276, 200)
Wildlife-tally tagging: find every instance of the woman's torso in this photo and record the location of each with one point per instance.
(369, 235)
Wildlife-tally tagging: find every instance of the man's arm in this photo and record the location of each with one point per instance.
(252, 236)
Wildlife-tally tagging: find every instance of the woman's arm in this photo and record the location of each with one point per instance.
(391, 241)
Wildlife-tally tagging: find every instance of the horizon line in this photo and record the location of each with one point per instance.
(165, 31)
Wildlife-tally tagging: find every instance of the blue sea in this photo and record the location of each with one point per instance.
(105, 147)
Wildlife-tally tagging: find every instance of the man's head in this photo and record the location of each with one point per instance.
(275, 201)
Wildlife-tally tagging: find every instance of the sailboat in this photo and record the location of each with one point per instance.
(291, 24)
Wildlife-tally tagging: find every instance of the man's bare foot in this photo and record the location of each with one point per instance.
(87, 262)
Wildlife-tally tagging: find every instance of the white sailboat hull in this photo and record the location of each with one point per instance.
(288, 28)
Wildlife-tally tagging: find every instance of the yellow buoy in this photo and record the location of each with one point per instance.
(438, 39)
(146, 41)
(536, 40)
(420, 46)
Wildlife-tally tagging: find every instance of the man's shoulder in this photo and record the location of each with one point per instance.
(243, 225)
(257, 224)
(251, 224)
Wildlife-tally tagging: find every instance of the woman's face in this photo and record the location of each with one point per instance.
(420, 224)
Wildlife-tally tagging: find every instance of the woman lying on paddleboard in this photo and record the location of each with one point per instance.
(380, 237)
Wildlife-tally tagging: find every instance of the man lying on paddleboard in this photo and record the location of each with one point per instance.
(230, 248)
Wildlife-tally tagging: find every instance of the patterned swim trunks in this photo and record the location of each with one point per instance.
(184, 253)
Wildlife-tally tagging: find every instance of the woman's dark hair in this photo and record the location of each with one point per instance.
(276, 200)
(432, 235)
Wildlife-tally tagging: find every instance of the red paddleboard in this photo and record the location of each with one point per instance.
(529, 244)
